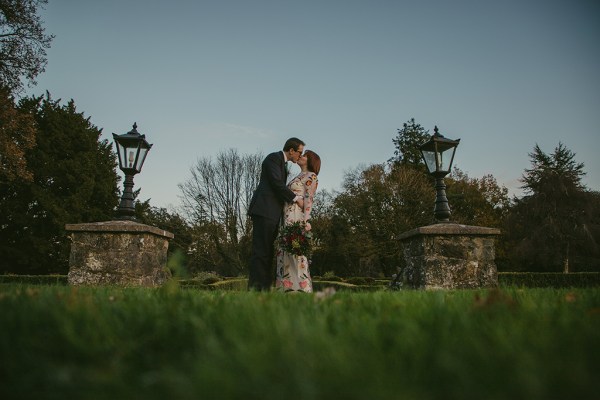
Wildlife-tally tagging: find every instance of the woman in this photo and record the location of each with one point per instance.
(293, 274)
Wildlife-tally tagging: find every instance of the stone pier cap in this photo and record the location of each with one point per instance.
(449, 229)
(449, 256)
(119, 252)
(118, 226)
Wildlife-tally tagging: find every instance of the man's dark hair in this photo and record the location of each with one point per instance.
(293, 143)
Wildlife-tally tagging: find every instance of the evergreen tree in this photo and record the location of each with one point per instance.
(74, 180)
(553, 221)
(407, 143)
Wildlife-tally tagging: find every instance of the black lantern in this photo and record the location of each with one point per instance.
(438, 154)
(132, 149)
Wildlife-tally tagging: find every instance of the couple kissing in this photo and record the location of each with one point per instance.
(276, 203)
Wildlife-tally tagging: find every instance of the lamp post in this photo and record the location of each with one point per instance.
(438, 154)
(132, 149)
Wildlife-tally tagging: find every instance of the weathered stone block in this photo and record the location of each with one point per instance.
(449, 256)
(118, 253)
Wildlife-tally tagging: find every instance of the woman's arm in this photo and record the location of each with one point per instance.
(310, 185)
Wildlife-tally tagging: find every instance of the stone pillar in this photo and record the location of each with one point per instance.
(118, 253)
(449, 256)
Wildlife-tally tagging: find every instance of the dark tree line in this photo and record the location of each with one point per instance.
(69, 176)
(554, 227)
(54, 169)
(361, 223)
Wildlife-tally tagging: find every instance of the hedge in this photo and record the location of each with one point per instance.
(35, 279)
(227, 284)
(520, 279)
(549, 279)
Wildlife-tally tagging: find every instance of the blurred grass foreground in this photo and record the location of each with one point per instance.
(134, 343)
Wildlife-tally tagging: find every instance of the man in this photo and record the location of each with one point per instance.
(266, 209)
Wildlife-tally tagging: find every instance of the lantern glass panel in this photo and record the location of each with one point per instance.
(121, 152)
(429, 157)
(445, 159)
(143, 151)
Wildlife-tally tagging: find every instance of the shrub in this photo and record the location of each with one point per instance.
(357, 280)
(329, 276)
(192, 283)
(207, 277)
(239, 284)
(321, 285)
(211, 279)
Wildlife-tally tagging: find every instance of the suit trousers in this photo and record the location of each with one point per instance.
(262, 272)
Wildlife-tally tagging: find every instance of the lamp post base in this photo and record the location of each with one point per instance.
(126, 210)
(449, 256)
(442, 209)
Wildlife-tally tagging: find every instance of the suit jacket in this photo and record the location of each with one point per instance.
(272, 192)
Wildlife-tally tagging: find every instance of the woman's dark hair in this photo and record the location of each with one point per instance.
(292, 143)
(313, 161)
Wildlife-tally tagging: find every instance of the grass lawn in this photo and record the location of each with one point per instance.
(171, 343)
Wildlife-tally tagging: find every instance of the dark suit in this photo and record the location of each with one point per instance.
(265, 210)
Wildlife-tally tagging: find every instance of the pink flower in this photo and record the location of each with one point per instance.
(303, 284)
(287, 284)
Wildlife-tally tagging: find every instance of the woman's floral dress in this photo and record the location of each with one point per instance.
(293, 274)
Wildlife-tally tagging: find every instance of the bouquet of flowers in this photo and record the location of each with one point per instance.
(295, 239)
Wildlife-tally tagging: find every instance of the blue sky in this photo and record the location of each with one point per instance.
(203, 76)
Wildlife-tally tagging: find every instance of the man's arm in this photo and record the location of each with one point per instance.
(272, 167)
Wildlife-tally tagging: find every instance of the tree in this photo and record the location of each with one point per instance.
(324, 257)
(407, 143)
(74, 180)
(23, 43)
(376, 204)
(589, 258)
(215, 200)
(17, 135)
(173, 222)
(359, 226)
(553, 220)
(473, 201)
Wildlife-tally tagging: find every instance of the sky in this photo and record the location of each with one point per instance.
(199, 77)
